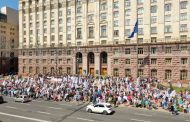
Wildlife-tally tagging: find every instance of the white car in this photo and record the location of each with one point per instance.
(103, 108)
(22, 98)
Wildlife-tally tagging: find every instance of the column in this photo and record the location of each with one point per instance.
(109, 69)
(84, 63)
(97, 63)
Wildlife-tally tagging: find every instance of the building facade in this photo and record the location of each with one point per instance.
(91, 36)
(8, 40)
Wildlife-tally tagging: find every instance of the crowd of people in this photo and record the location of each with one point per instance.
(140, 93)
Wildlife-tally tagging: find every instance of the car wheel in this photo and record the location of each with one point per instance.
(105, 112)
(89, 110)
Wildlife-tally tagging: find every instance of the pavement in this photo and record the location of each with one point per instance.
(45, 111)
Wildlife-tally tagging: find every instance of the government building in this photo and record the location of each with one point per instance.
(8, 40)
(91, 37)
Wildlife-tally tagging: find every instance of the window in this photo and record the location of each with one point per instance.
(168, 61)
(140, 72)
(79, 18)
(37, 61)
(103, 31)
(116, 33)
(183, 16)
(127, 72)
(127, 22)
(90, 17)
(140, 31)
(183, 5)
(103, 6)
(68, 52)
(153, 61)
(183, 75)
(140, 61)
(168, 18)
(153, 30)
(30, 53)
(140, 10)
(153, 1)
(79, 33)
(184, 61)
(140, 40)
(91, 32)
(116, 23)
(116, 5)
(115, 61)
(168, 7)
(183, 38)
(30, 61)
(103, 42)
(153, 19)
(153, 50)
(183, 48)
(79, 10)
(116, 51)
(140, 21)
(69, 61)
(140, 50)
(127, 61)
(183, 27)
(127, 12)
(68, 70)
(24, 69)
(44, 70)
(115, 14)
(115, 72)
(168, 74)
(30, 69)
(127, 32)
(103, 16)
(154, 73)
(168, 29)
(153, 39)
(127, 51)
(139, 2)
(127, 3)
(153, 9)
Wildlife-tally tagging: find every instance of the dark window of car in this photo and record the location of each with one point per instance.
(102, 106)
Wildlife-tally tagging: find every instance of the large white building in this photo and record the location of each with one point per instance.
(8, 40)
(91, 36)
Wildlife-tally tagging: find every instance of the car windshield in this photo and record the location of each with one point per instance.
(108, 106)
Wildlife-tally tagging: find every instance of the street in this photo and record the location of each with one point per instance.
(44, 111)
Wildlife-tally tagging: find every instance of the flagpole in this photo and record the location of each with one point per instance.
(137, 45)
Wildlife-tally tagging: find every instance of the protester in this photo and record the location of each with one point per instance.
(141, 93)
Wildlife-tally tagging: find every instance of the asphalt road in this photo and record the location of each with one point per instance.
(44, 111)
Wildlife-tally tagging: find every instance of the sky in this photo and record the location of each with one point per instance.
(9, 3)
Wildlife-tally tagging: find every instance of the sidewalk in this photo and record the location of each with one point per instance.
(158, 110)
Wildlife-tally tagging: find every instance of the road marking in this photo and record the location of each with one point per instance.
(94, 114)
(138, 120)
(23, 117)
(54, 108)
(11, 107)
(85, 119)
(142, 114)
(65, 105)
(25, 104)
(37, 101)
(43, 112)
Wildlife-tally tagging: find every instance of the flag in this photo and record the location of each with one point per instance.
(135, 30)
